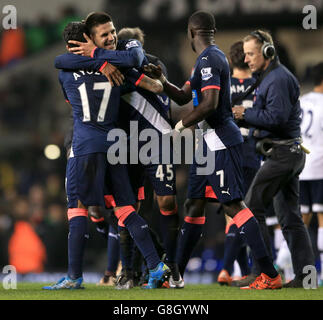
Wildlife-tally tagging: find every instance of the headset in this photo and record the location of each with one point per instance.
(268, 50)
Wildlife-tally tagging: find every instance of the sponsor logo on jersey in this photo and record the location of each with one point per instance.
(206, 73)
(132, 44)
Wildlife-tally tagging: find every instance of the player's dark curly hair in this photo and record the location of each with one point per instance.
(96, 18)
(317, 74)
(237, 56)
(74, 31)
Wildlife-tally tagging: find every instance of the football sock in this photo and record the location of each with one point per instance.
(189, 235)
(248, 227)
(169, 224)
(231, 247)
(138, 229)
(126, 248)
(242, 259)
(113, 250)
(78, 234)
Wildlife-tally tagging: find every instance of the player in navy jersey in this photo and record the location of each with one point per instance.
(210, 85)
(241, 81)
(132, 266)
(95, 106)
(150, 113)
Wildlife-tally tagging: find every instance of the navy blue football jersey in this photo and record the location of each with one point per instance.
(238, 88)
(211, 71)
(251, 158)
(145, 107)
(95, 106)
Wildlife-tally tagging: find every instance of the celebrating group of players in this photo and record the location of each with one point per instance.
(110, 84)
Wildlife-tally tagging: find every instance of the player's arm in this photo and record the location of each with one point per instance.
(209, 103)
(143, 81)
(133, 56)
(69, 61)
(150, 84)
(180, 95)
(208, 74)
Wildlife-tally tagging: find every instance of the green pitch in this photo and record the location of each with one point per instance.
(33, 291)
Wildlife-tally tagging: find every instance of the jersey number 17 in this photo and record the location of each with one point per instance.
(106, 86)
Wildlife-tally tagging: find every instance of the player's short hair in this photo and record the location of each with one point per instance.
(317, 74)
(132, 33)
(266, 36)
(96, 18)
(237, 56)
(74, 31)
(202, 20)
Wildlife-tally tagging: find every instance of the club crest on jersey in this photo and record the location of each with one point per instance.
(206, 73)
(132, 44)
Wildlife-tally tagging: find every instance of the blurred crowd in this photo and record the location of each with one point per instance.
(32, 38)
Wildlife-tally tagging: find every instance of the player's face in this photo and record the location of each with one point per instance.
(253, 55)
(105, 36)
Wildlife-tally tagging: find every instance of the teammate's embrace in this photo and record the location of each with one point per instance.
(95, 105)
(141, 106)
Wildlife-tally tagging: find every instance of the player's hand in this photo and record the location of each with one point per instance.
(153, 71)
(238, 112)
(83, 48)
(179, 127)
(113, 74)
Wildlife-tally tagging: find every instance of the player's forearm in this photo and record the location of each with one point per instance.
(76, 62)
(125, 58)
(198, 114)
(176, 94)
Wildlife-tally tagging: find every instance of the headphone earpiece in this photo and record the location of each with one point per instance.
(268, 50)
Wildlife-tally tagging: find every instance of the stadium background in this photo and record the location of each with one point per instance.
(34, 115)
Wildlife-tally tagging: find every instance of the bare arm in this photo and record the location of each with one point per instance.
(150, 84)
(113, 74)
(180, 95)
(210, 100)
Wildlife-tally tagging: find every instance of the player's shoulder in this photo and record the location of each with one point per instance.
(212, 56)
(128, 44)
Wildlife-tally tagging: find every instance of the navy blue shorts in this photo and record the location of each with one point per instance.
(162, 177)
(90, 177)
(311, 196)
(226, 181)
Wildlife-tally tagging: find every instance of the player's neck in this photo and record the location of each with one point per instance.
(241, 73)
(202, 43)
(318, 89)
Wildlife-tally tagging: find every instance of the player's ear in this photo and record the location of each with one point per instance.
(192, 33)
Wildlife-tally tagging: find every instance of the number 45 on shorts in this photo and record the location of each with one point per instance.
(165, 170)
